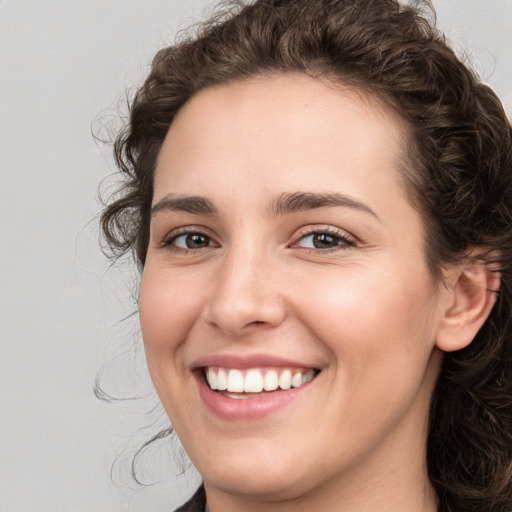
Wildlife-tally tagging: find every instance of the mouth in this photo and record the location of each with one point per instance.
(255, 382)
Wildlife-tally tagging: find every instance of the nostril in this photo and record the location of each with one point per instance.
(256, 324)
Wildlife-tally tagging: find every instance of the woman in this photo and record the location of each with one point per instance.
(319, 195)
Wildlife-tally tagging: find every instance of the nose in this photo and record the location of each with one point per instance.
(246, 294)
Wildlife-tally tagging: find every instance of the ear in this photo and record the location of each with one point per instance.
(470, 296)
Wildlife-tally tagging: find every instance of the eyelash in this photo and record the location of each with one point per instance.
(343, 240)
(168, 243)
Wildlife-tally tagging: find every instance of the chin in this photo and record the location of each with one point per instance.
(258, 484)
(262, 476)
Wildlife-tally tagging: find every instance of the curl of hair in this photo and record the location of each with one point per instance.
(459, 175)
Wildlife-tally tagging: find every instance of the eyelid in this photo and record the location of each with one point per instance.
(167, 241)
(350, 240)
(345, 237)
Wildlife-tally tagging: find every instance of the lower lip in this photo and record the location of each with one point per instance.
(247, 408)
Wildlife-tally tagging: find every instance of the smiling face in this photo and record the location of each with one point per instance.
(285, 260)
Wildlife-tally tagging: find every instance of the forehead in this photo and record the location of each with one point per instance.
(285, 128)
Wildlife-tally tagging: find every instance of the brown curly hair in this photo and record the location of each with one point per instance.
(460, 179)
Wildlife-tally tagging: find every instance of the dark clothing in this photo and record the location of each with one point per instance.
(195, 504)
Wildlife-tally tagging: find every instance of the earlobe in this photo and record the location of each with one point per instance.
(471, 295)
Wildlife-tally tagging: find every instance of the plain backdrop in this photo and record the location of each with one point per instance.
(65, 66)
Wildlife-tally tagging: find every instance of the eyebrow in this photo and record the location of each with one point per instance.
(190, 204)
(304, 201)
(287, 202)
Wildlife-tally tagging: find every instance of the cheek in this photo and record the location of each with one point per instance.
(167, 309)
(380, 338)
(372, 318)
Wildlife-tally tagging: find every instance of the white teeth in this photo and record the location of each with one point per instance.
(235, 381)
(212, 379)
(256, 380)
(253, 382)
(271, 381)
(309, 375)
(285, 380)
(297, 380)
(222, 380)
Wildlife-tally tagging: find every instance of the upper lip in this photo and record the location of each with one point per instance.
(248, 361)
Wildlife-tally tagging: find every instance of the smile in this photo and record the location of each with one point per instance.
(252, 382)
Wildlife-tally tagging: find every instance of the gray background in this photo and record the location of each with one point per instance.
(64, 65)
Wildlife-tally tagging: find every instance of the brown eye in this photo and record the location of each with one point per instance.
(324, 241)
(197, 241)
(191, 241)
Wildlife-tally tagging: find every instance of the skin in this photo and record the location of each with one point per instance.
(363, 310)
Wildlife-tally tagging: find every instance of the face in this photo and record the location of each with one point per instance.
(286, 268)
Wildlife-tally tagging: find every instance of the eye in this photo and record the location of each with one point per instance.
(324, 240)
(191, 241)
(188, 241)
